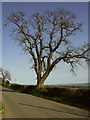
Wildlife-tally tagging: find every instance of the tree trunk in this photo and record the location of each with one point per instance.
(40, 84)
(40, 80)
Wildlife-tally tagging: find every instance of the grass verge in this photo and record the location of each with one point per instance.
(78, 97)
(1, 106)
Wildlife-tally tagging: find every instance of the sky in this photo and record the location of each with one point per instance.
(0, 34)
(45, 0)
(18, 63)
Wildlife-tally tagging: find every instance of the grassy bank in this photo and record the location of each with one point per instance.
(75, 96)
(1, 106)
(78, 97)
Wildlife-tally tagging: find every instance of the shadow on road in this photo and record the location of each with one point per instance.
(55, 110)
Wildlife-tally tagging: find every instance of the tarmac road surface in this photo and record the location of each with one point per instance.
(20, 105)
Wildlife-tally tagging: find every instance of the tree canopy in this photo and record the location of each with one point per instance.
(5, 75)
(46, 38)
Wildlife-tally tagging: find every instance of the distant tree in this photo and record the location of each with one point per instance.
(46, 38)
(5, 75)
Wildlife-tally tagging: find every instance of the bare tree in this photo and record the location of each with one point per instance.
(46, 38)
(5, 75)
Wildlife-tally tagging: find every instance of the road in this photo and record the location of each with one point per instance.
(20, 105)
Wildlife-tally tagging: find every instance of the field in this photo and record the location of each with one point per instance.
(71, 95)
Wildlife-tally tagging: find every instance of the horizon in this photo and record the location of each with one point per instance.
(65, 84)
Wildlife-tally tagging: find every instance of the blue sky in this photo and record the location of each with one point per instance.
(0, 34)
(19, 64)
(45, 0)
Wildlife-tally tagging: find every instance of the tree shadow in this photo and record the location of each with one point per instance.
(35, 106)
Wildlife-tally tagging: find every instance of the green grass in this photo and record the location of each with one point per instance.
(1, 106)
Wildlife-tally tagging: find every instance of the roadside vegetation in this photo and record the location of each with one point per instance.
(70, 95)
(1, 106)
